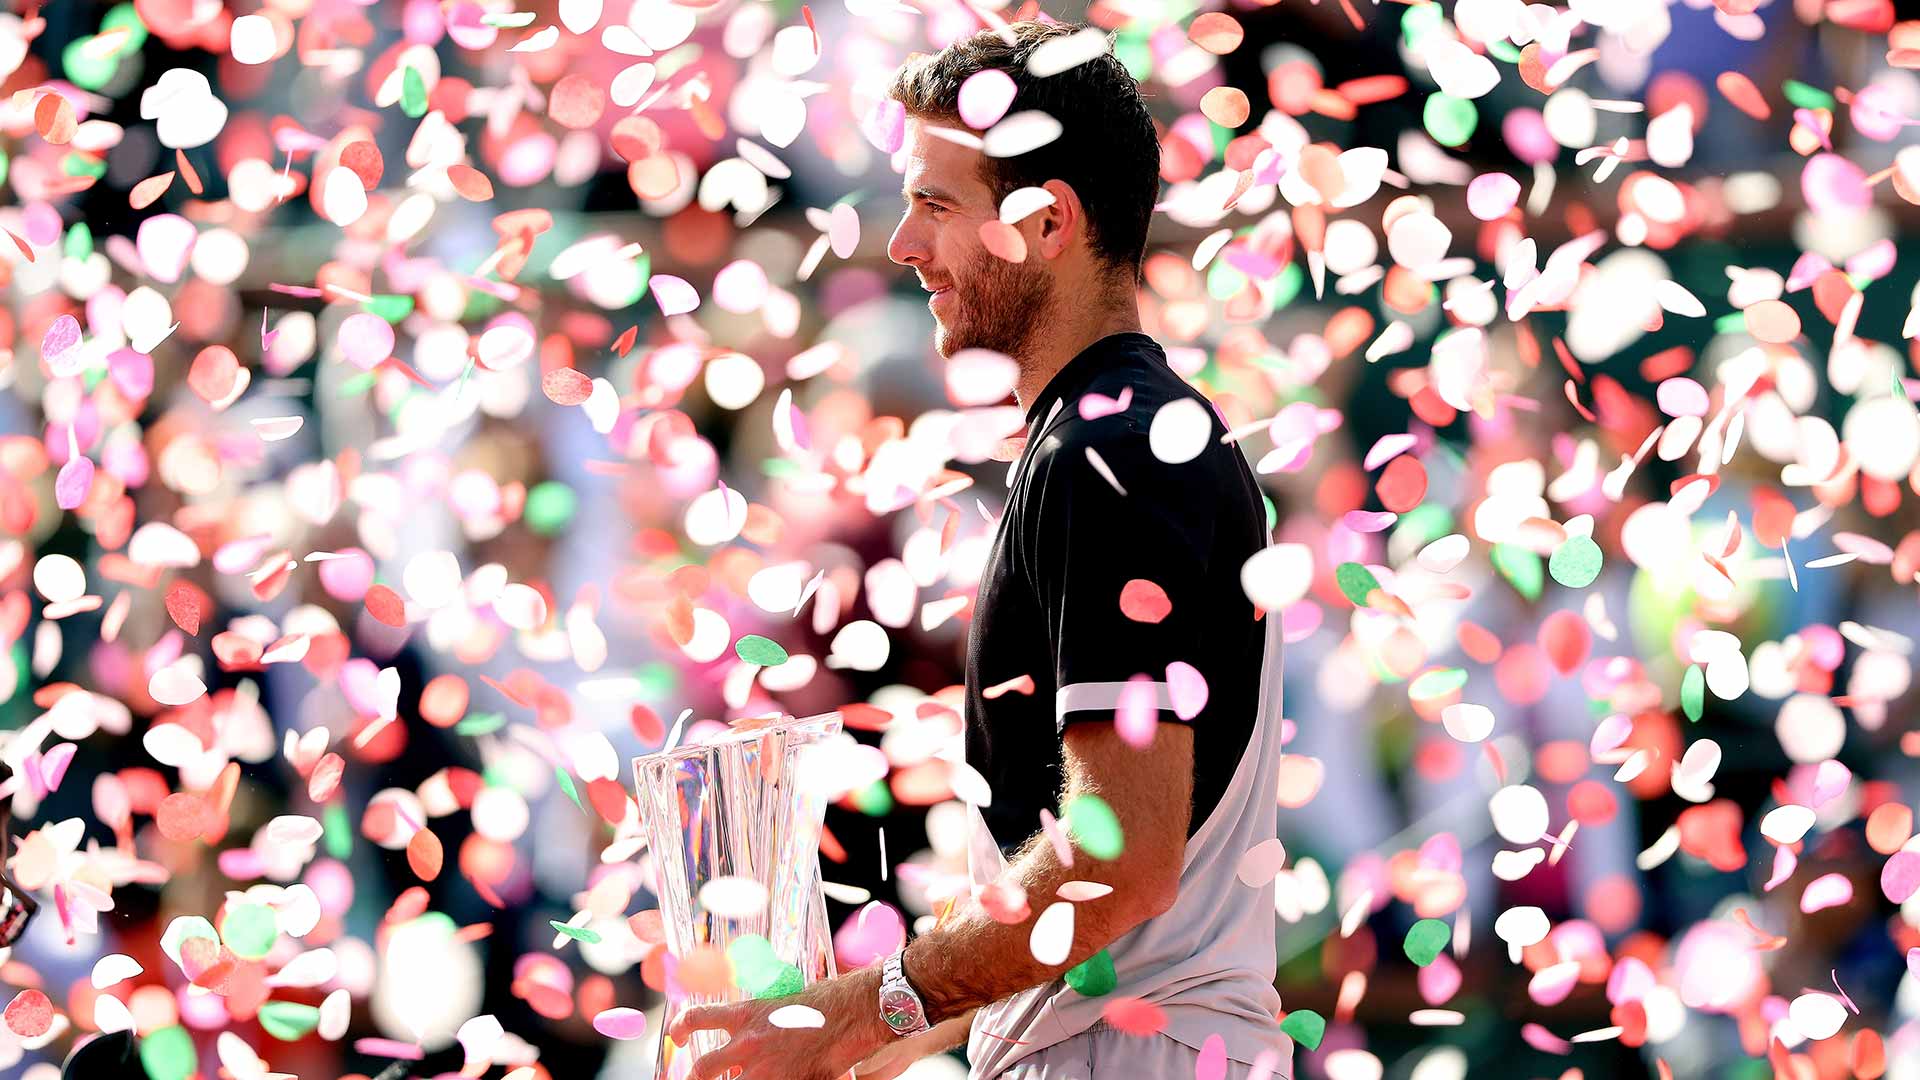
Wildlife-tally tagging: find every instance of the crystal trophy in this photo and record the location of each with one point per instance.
(735, 806)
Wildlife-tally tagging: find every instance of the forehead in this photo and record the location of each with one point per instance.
(935, 162)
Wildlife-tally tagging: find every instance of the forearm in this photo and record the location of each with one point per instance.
(974, 960)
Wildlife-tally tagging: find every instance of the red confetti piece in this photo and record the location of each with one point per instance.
(566, 386)
(187, 604)
(1135, 1016)
(425, 855)
(54, 119)
(183, 816)
(1143, 601)
(363, 158)
(326, 777)
(609, 800)
(385, 605)
(29, 1014)
(187, 173)
(576, 102)
(215, 373)
(471, 183)
(146, 191)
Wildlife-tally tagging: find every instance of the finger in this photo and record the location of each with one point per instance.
(718, 1064)
(703, 1018)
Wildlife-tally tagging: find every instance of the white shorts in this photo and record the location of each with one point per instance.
(1105, 1053)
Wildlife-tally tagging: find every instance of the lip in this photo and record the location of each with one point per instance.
(938, 294)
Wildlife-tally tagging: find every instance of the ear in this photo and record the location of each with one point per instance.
(1056, 226)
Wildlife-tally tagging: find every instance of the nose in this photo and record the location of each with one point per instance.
(908, 245)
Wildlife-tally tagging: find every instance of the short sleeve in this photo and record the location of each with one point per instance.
(1121, 579)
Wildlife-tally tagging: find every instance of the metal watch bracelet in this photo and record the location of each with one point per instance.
(900, 1005)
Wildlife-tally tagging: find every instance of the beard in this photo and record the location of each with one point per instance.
(999, 305)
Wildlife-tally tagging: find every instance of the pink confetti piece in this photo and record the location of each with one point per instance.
(621, 1023)
(1825, 891)
(1900, 877)
(885, 125)
(985, 97)
(1212, 1062)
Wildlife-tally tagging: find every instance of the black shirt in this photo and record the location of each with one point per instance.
(1049, 599)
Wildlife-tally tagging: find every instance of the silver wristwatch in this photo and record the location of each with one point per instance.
(900, 1005)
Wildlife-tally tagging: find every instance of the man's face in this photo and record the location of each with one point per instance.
(982, 301)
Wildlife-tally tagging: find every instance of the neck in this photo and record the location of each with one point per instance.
(1065, 337)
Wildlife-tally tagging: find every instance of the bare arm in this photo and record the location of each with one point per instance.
(974, 960)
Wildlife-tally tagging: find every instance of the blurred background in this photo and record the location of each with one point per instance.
(388, 366)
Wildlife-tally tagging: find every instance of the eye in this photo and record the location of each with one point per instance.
(936, 208)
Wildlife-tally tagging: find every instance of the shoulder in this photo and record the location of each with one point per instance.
(1114, 420)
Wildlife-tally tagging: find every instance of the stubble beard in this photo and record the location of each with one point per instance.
(1002, 307)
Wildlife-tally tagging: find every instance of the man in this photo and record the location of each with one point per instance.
(1113, 583)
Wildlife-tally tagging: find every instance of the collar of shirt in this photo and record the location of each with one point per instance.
(1077, 372)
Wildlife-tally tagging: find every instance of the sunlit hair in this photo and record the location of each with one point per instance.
(1108, 151)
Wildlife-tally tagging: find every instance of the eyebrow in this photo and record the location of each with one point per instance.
(925, 192)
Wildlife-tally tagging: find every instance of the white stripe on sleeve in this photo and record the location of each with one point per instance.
(1079, 697)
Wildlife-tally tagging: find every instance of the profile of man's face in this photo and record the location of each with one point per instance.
(979, 300)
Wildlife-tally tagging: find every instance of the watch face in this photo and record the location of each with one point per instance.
(900, 1010)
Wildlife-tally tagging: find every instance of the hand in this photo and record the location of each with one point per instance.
(756, 1050)
(894, 1058)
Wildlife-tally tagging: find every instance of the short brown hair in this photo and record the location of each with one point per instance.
(1108, 151)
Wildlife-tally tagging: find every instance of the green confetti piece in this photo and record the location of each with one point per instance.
(1450, 120)
(874, 800)
(1521, 568)
(1419, 21)
(1287, 285)
(1305, 1026)
(566, 785)
(779, 468)
(1437, 684)
(1504, 51)
(83, 165)
(1224, 280)
(250, 930)
(1693, 692)
(1733, 322)
(786, 981)
(413, 93)
(550, 507)
(5, 162)
(1355, 581)
(79, 241)
(755, 649)
(658, 680)
(167, 1053)
(1575, 563)
(577, 933)
(1134, 55)
(88, 72)
(289, 1021)
(1094, 826)
(1094, 976)
(1804, 96)
(758, 971)
(126, 16)
(359, 384)
(1425, 939)
(336, 830)
(485, 723)
(389, 307)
